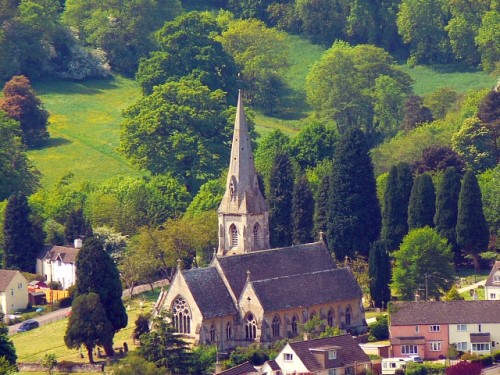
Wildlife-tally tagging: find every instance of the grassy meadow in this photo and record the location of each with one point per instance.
(85, 116)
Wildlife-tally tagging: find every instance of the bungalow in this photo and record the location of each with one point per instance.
(428, 329)
(57, 263)
(492, 285)
(13, 292)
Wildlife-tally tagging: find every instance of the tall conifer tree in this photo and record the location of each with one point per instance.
(472, 228)
(447, 208)
(302, 211)
(280, 201)
(22, 242)
(354, 219)
(422, 204)
(379, 269)
(321, 207)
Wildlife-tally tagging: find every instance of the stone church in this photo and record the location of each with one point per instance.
(249, 292)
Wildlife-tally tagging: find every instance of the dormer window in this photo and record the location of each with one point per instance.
(332, 354)
(496, 279)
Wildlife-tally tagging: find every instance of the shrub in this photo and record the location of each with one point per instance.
(464, 368)
(65, 302)
(380, 329)
(416, 369)
(435, 368)
(496, 356)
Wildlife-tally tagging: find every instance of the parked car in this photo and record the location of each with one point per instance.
(416, 358)
(28, 325)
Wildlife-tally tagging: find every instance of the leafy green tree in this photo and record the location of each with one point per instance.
(340, 85)
(16, 170)
(421, 24)
(97, 273)
(473, 142)
(488, 40)
(489, 114)
(281, 185)
(447, 208)
(49, 362)
(88, 324)
(379, 270)
(21, 242)
(490, 191)
(423, 262)
(321, 208)
(315, 143)
(380, 329)
(76, 226)
(422, 205)
(21, 103)
(187, 47)
(208, 198)
(472, 228)
(182, 128)
(7, 349)
(453, 295)
(354, 218)
(441, 101)
(7, 368)
(165, 349)
(262, 58)
(121, 28)
(302, 211)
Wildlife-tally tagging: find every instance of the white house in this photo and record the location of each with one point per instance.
(492, 285)
(57, 263)
(13, 292)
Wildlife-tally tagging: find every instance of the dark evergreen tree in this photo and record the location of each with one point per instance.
(472, 228)
(489, 114)
(379, 270)
(422, 206)
(415, 113)
(321, 207)
(7, 349)
(96, 272)
(447, 208)
(302, 211)
(22, 239)
(354, 218)
(88, 324)
(280, 201)
(76, 226)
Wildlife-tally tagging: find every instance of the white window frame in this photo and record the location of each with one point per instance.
(332, 354)
(435, 328)
(493, 296)
(288, 357)
(332, 371)
(409, 349)
(481, 347)
(462, 327)
(435, 346)
(496, 279)
(462, 346)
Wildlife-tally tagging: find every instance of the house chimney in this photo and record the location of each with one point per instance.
(78, 243)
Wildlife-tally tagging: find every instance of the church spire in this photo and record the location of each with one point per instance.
(243, 212)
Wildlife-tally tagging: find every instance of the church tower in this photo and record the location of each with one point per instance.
(243, 212)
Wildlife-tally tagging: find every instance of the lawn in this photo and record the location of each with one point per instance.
(32, 346)
(84, 129)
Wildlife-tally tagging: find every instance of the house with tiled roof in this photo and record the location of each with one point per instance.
(250, 292)
(428, 329)
(58, 263)
(13, 292)
(492, 285)
(246, 368)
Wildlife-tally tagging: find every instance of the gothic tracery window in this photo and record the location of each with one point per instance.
(250, 327)
(232, 188)
(276, 326)
(330, 318)
(213, 334)
(181, 315)
(234, 235)
(295, 325)
(256, 230)
(229, 330)
(348, 316)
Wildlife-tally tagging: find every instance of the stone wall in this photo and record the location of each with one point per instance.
(64, 367)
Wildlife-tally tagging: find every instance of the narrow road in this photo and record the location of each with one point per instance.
(61, 313)
(473, 286)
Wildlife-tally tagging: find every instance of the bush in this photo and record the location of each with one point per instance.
(464, 368)
(416, 369)
(380, 329)
(435, 368)
(496, 356)
(65, 302)
(55, 285)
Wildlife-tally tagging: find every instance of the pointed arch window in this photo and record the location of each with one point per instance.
(234, 235)
(256, 235)
(232, 188)
(276, 326)
(348, 316)
(250, 327)
(330, 318)
(295, 325)
(213, 333)
(229, 331)
(181, 315)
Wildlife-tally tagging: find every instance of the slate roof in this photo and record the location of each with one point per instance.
(306, 289)
(244, 368)
(274, 263)
(479, 337)
(449, 312)
(274, 366)
(349, 352)
(494, 269)
(209, 292)
(6, 277)
(67, 254)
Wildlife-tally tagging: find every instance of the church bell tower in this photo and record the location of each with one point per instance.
(243, 212)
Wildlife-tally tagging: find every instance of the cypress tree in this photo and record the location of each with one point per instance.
(472, 228)
(96, 272)
(447, 208)
(321, 207)
(76, 226)
(354, 218)
(302, 211)
(379, 270)
(21, 238)
(422, 204)
(280, 201)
